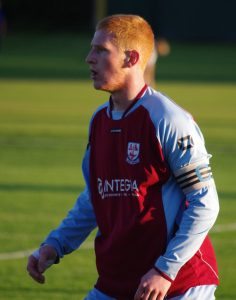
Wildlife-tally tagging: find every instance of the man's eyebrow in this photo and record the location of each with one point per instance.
(99, 47)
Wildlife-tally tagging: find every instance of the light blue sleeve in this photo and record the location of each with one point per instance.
(184, 149)
(78, 224)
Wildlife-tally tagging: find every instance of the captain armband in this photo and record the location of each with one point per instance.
(194, 176)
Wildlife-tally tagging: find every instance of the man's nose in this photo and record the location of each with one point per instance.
(90, 58)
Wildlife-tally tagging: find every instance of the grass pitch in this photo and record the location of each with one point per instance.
(43, 134)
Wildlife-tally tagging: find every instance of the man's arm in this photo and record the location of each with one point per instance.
(70, 234)
(197, 220)
(184, 149)
(75, 228)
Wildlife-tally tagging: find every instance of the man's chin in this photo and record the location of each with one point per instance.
(101, 87)
(96, 85)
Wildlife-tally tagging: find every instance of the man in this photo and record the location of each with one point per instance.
(149, 187)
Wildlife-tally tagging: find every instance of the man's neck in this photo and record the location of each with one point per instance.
(121, 100)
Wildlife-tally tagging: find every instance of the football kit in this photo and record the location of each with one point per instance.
(150, 191)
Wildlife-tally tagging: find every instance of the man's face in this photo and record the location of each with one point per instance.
(106, 63)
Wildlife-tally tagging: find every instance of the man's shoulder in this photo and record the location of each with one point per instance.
(161, 106)
(99, 109)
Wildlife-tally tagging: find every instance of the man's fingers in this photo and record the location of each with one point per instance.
(148, 294)
(153, 296)
(37, 276)
(140, 292)
(42, 263)
(160, 297)
(39, 261)
(33, 271)
(152, 287)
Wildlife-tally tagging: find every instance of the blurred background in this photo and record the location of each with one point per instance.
(199, 20)
(46, 102)
(55, 29)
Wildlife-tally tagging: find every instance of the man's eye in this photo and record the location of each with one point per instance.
(100, 49)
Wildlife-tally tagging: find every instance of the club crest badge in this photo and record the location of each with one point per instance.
(133, 151)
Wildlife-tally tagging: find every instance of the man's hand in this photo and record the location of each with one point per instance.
(152, 286)
(37, 266)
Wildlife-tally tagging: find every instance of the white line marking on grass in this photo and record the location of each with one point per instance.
(90, 244)
(25, 253)
(15, 255)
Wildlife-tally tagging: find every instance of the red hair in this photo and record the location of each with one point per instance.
(130, 32)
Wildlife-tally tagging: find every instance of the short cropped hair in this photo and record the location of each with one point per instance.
(131, 32)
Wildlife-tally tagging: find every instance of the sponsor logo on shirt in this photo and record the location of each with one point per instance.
(133, 151)
(117, 188)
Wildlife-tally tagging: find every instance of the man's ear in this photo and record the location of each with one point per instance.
(132, 57)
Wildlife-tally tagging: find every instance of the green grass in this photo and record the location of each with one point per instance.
(43, 134)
